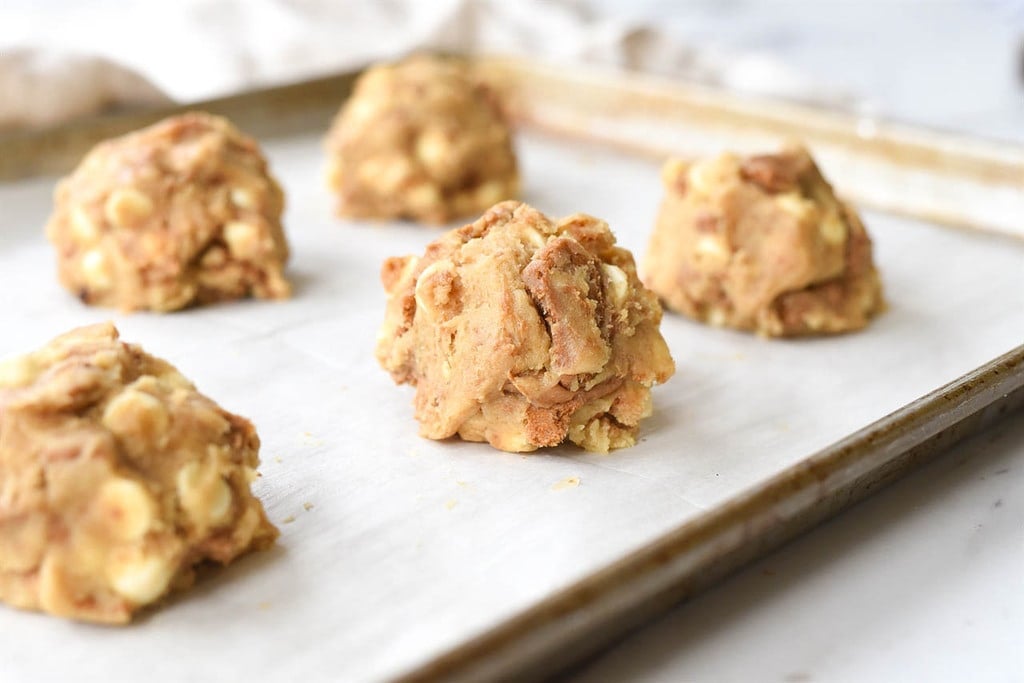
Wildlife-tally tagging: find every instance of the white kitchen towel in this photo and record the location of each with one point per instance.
(61, 59)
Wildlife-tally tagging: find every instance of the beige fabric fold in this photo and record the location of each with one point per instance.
(62, 59)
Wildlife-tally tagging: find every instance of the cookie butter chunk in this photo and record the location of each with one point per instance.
(524, 332)
(421, 139)
(117, 477)
(181, 213)
(761, 243)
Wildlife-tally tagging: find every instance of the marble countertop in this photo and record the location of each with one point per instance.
(924, 581)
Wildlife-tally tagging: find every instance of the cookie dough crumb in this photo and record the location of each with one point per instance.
(524, 332)
(421, 139)
(178, 214)
(310, 440)
(117, 477)
(567, 483)
(761, 243)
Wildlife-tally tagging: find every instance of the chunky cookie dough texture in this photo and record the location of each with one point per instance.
(761, 243)
(421, 139)
(524, 332)
(117, 477)
(178, 214)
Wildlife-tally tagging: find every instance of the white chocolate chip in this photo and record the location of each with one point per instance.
(815, 321)
(833, 229)
(361, 109)
(127, 207)
(711, 247)
(189, 484)
(138, 577)
(697, 178)
(137, 415)
(793, 204)
(203, 494)
(424, 195)
(717, 317)
(535, 237)
(425, 303)
(491, 193)
(126, 509)
(616, 283)
(95, 270)
(214, 258)
(243, 239)
(433, 149)
(243, 198)
(385, 175)
(220, 503)
(52, 584)
(83, 229)
(17, 371)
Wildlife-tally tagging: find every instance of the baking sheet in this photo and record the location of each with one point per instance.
(942, 177)
(411, 547)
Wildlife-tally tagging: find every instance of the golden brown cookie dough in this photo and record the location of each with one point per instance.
(523, 332)
(420, 139)
(761, 243)
(181, 213)
(117, 477)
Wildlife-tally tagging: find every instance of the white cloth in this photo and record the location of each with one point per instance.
(195, 49)
(43, 88)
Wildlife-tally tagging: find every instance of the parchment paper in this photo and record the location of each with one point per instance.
(410, 546)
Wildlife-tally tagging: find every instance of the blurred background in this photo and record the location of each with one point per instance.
(955, 64)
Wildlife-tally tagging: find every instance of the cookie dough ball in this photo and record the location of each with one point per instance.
(421, 140)
(117, 477)
(761, 243)
(524, 332)
(178, 214)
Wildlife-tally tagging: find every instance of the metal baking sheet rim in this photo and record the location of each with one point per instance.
(926, 171)
(577, 620)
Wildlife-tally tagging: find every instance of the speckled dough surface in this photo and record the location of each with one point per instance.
(421, 139)
(761, 243)
(116, 478)
(524, 332)
(181, 213)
